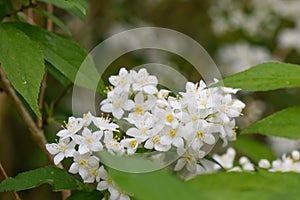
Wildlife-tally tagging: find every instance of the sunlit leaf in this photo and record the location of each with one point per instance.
(23, 62)
(266, 76)
(285, 123)
(247, 186)
(57, 178)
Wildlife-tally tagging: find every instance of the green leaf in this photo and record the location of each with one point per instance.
(137, 162)
(285, 123)
(253, 149)
(57, 74)
(86, 195)
(57, 21)
(266, 76)
(5, 7)
(76, 7)
(57, 178)
(23, 63)
(66, 56)
(247, 186)
(159, 185)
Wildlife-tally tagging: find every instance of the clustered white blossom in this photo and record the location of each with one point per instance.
(287, 163)
(226, 161)
(250, 16)
(189, 123)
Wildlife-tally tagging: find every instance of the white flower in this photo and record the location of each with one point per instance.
(89, 141)
(172, 136)
(246, 164)
(225, 160)
(121, 82)
(112, 144)
(104, 124)
(130, 145)
(155, 142)
(144, 126)
(117, 104)
(83, 163)
(295, 155)
(63, 149)
(72, 127)
(87, 119)
(140, 105)
(107, 183)
(264, 163)
(203, 134)
(190, 161)
(143, 82)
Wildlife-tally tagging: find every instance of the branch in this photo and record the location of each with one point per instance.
(4, 175)
(36, 133)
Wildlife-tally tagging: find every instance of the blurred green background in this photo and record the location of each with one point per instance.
(233, 50)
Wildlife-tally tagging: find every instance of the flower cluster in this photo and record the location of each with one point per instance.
(81, 139)
(287, 163)
(189, 124)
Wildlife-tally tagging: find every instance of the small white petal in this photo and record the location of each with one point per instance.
(102, 185)
(59, 157)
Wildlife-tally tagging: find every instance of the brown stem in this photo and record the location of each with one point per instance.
(49, 21)
(36, 133)
(4, 175)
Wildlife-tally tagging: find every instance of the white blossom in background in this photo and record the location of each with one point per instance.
(287, 163)
(230, 15)
(237, 57)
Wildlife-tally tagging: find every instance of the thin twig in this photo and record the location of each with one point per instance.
(4, 175)
(49, 21)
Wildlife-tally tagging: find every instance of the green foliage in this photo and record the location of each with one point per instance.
(57, 178)
(86, 195)
(66, 56)
(236, 185)
(136, 162)
(284, 123)
(5, 7)
(56, 20)
(76, 7)
(253, 149)
(266, 76)
(159, 185)
(23, 63)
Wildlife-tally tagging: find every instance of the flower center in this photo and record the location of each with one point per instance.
(169, 118)
(173, 133)
(156, 139)
(132, 143)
